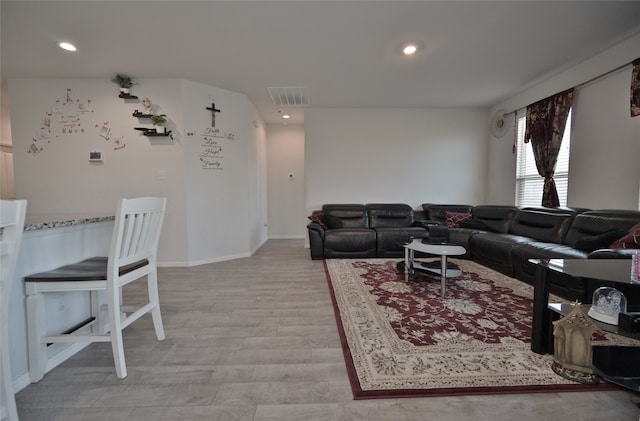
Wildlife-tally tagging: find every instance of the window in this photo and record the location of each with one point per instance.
(528, 182)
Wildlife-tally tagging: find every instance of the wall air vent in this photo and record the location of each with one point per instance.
(289, 95)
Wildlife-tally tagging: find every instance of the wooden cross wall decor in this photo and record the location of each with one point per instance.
(213, 114)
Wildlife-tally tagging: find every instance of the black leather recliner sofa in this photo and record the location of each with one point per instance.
(503, 238)
(361, 231)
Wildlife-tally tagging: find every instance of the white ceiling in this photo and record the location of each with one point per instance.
(474, 53)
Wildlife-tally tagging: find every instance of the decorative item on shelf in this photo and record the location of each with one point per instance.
(125, 83)
(146, 103)
(159, 120)
(607, 304)
(572, 353)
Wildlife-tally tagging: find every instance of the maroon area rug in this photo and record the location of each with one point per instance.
(403, 339)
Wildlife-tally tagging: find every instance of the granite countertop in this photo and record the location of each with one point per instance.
(39, 222)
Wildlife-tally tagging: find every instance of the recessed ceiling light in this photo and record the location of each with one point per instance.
(286, 116)
(409, 49)
(67, 46)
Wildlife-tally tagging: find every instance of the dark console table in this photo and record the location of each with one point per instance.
(615, 364)
(604, 272)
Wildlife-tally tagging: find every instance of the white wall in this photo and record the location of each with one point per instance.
(604, 166)
(605, 140)
(59, 179)
(258, 229)
(208, 212)
(218, 203)
(411, 156)
(7, 190)
(7, 185)
(285, 155)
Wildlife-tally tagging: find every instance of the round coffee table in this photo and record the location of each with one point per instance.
(443, 250)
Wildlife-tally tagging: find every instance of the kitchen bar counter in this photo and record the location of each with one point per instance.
(38, 222)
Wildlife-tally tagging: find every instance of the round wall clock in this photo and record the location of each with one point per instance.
(500, 124)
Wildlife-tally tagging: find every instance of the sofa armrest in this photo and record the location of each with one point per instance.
(314, 226)
(612, 254)
(316, 241)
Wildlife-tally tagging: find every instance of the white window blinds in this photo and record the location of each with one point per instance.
(528, 182)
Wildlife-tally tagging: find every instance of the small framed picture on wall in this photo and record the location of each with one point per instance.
(95, 156)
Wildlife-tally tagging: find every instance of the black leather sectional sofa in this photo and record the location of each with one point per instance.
(356, 230)
(503, 238)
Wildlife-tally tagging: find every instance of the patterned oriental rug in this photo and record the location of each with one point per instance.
(403, 339)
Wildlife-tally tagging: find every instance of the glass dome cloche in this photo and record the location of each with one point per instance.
(607, 304)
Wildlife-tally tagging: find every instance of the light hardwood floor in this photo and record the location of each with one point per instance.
(256, 339)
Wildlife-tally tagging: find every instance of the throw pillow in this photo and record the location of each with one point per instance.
(629, 241)
(333, 222)
(600, 241)
(317, 218)
(475, 224)
(453, 219)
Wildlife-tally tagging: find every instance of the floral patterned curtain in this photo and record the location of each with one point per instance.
(635, 88)
(545, 124)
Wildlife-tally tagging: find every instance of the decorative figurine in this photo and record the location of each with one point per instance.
(573, 354)
(146, 103)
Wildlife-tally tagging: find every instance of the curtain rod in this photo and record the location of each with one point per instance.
(593, 79)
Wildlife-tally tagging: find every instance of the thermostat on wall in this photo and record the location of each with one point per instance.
(95, 156)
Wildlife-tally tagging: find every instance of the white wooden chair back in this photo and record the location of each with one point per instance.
(12, 214)
(136, 232)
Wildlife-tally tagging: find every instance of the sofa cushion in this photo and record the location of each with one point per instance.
(497, 218)
(494, 250)
(541, 250)
(629, 241)
(390, 241)
(548, 227)
(475, 224)
(453, 219)
(384, 215)
(354, 241)
(591, 223)
(599, 241)
(351, 215)
(461, 236)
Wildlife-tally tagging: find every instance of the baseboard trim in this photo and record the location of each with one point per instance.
(220, 259)
(24, 380)
(203, 262)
